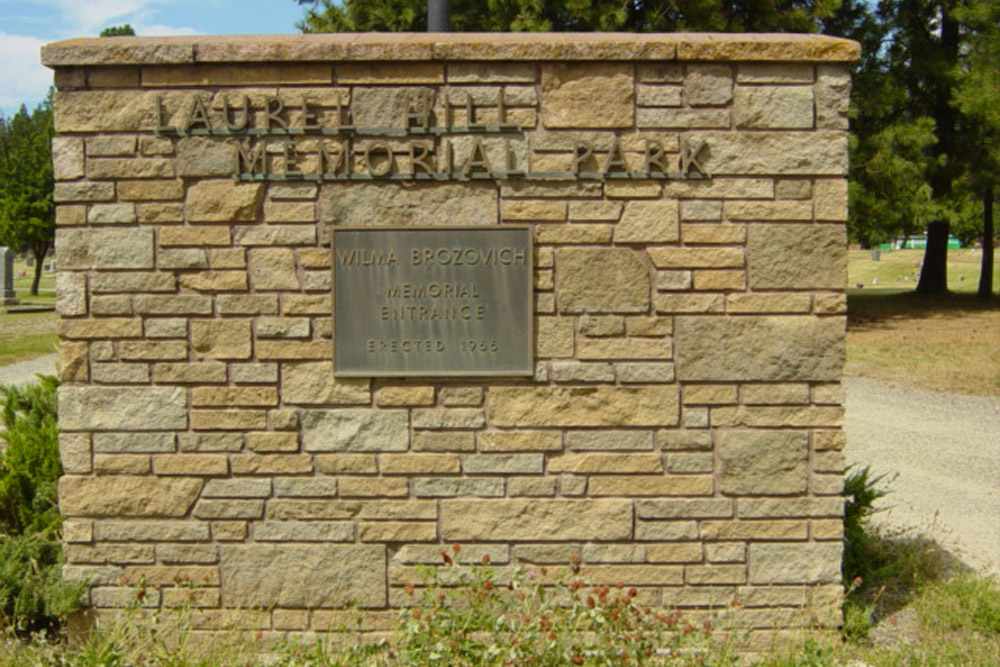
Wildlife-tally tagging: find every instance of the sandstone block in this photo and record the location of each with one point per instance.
(540, 520)
(519, 441)
(765, 152)
(648, 221)
(583, 406)
(292, 575)
(312, 383)
(608, 440)
(795, 563)
(311, 487)
(223, 201)
(354, 430)
(696, 258)
(303, 531)
(708, 85)
(116, 408)
(448, 418)
(601, 280)
(651, 485)
(127, 496)
(273, 269)
(359, 204)
(758, 348)
(105, 248)
(588, 95)
(221, 339)
(763, 461)
(420, 464)
(605, 463)
(554, 336)
(404, 396)
(450, 487)
(67, 158)
(773, 107)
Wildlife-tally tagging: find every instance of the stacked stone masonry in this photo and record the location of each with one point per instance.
(681, 433)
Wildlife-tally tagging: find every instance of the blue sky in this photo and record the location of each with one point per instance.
(25, 26)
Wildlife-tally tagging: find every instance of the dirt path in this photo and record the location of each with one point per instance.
(945, 452)
(25, 371)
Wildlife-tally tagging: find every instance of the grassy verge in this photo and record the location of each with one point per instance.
(24, 336)
(944, 343)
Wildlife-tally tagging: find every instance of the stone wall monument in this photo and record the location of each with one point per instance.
(331, 302)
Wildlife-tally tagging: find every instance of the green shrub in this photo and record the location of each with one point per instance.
(32, 593)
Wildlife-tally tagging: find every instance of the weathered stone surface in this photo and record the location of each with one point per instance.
(221, 339)
(71, 293)
(273, 269)
(223, 201)
(293, 575)
(773, 107)
(354, 430)
(583, 406)
(541, 520)
(792, 256)
(420, 204)
(763, 462)
(648, 221)
(105, 248)
(127, 496)
(795, 563)
(67, 158)
(114, 408)
(767, 153)
(312, 383)
(601, 280)
(789, 348)
(708, 85)
(588, 95)
(204, 156)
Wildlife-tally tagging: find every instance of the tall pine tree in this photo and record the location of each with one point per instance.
(27, 209)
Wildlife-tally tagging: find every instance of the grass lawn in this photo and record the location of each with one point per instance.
(22, 284)
(949, 343)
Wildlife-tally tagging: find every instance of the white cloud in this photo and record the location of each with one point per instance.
(156, 30)
(23, 79)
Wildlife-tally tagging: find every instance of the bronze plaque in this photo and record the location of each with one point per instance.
(432, 302)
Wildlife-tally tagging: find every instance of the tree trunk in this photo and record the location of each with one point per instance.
(39, 252)
(986, 272)
(934, 274)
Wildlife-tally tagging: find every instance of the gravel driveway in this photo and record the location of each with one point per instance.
(943, 448)
(945, 452)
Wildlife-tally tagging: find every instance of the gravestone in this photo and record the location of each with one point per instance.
(331, 303)
(7, 294)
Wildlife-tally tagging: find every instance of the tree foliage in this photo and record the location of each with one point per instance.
(32, 593)
(572, 15)
(925, 104)
(27, 209)
(124, 30)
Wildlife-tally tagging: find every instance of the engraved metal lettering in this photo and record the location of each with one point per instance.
(432, 302)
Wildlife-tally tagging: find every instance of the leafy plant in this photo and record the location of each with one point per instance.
(32, 593)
